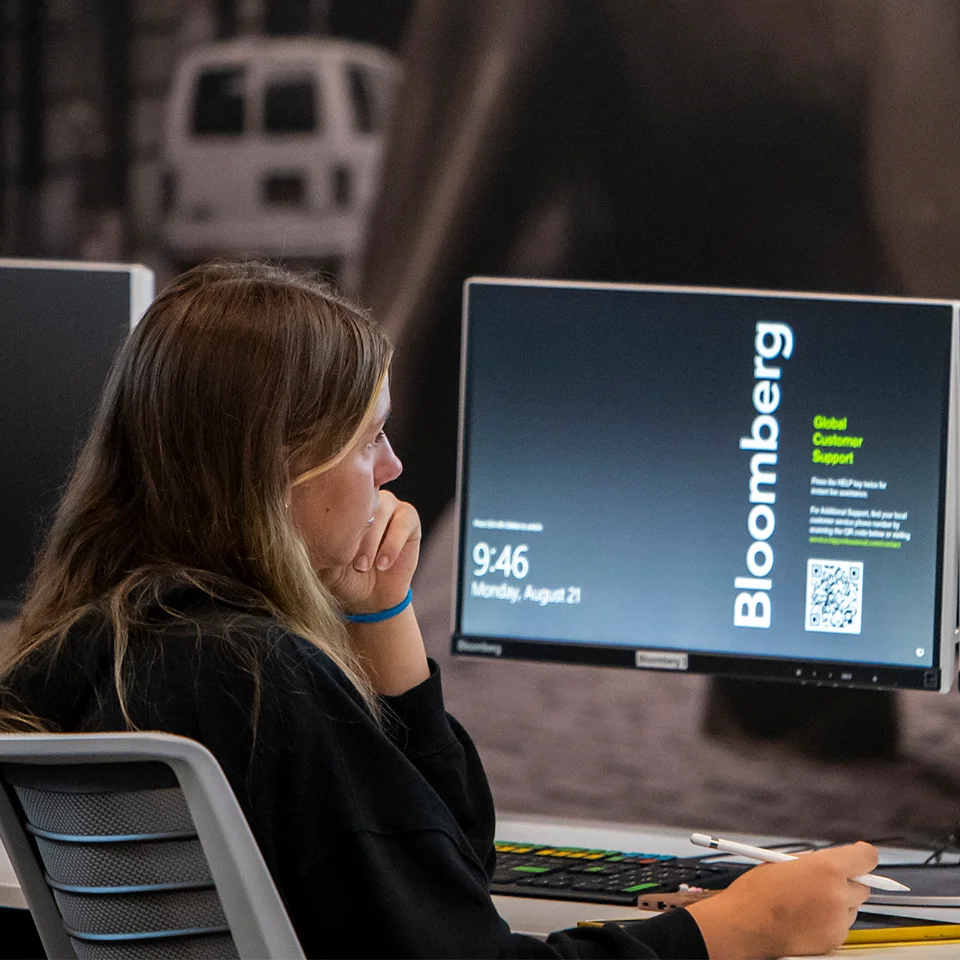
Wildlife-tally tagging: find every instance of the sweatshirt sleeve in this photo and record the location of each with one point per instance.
(443, 752)
(412, 895)
(379, 842)
(377, 837)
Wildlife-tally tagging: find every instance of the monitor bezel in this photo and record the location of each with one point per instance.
(938, 677)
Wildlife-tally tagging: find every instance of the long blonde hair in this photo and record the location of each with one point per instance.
(238, 378)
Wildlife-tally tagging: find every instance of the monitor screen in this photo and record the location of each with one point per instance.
(60, 325)
(744, 483)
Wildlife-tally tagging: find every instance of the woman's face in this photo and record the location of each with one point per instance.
(331, 510)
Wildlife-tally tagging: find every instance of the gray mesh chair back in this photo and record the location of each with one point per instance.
(133, 845)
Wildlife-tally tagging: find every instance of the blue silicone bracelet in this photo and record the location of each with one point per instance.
(381, 614)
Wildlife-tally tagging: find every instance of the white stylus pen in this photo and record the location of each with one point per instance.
(775, 856)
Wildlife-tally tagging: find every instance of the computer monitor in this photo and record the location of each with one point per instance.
(747, 483)
(60, 325)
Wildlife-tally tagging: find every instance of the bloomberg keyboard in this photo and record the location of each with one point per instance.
(601, 876)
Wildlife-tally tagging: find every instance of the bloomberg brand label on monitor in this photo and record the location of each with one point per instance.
(660, 660)
(742, 482)
(480, 647)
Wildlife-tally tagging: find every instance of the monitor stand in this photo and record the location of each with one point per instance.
(817, 722)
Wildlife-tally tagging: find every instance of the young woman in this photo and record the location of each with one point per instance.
(225, 565)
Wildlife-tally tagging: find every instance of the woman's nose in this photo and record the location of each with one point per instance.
(389, 467)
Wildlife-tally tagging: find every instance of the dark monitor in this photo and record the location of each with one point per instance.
(60, 326)
(733, 482)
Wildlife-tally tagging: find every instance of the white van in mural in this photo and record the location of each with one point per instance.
(272, 148)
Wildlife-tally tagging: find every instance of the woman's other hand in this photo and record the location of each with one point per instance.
(802, 907)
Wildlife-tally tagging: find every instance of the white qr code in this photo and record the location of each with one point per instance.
(834, 596)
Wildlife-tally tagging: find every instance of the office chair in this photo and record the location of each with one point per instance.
(133, 845)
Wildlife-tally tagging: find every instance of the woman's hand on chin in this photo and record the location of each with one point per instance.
(379, 575)
(390, 650)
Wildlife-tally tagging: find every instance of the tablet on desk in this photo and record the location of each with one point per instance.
(878, 921)
(931, 885)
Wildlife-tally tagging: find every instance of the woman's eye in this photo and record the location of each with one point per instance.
(379, 438)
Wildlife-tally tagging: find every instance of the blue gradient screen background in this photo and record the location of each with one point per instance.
(612, 417)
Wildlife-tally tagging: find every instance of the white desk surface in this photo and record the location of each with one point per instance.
(10, 895)
(540, 917)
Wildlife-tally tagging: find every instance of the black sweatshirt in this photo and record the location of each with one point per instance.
(380, 839)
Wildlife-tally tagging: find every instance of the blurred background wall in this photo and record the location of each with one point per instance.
(786, 144)
(83, 92)
(809, 145)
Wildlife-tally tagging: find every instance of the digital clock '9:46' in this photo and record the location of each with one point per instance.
(509, 560)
